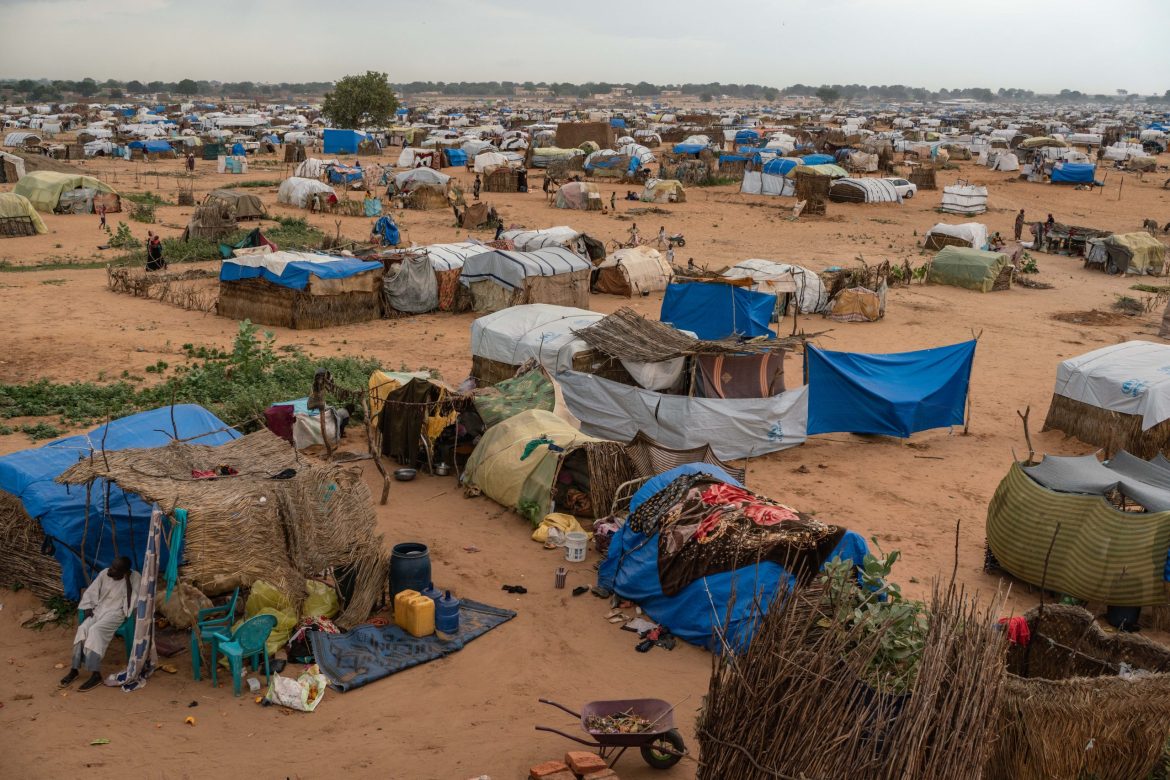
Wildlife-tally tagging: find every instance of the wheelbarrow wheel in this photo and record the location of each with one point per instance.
(672, 741)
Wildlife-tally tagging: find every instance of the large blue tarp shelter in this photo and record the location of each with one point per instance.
(341, 141)
(779, 166)
(1073, 173)
(630, 569)
(713, 310)
(456, 157)
(343, 174)
(61, 510)
(152, 147)
(818, 159)
(688, 148)
(295, 274)
(893, 395)
(746, 136)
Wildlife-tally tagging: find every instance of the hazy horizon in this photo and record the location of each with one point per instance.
(1040, 45)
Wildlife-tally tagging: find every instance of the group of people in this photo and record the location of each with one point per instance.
(1040, 230)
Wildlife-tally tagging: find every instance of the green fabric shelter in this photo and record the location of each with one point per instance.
(44, 188)
(972, 269)
(1100, 554)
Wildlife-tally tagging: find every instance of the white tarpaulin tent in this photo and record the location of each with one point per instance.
(297, 190)
(864, 191)
(770, 276)
(758, 183)
(530, 240)
(638, 269)
(1130, 378)
(511, 269)
(450, 257)
(974, 233)
(536, 330)
(964, 199)
(734, 427)
(1004, 161)
(313, 168)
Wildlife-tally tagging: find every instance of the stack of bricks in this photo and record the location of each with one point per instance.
(578, 765)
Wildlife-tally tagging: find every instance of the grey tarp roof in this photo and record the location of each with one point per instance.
(1146, 482)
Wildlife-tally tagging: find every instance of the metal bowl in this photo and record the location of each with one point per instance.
(442, 470)
(404, 475)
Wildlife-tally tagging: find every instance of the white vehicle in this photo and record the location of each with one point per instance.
(905, 189)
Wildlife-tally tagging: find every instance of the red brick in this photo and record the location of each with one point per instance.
(604, 774)
(583, 762)
(548, 770)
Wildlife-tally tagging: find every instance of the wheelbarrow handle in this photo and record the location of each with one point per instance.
(560, 707)
(569, 736)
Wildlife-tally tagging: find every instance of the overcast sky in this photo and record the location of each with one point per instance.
(1043, 45)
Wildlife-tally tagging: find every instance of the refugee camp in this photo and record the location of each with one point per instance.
(724, 401)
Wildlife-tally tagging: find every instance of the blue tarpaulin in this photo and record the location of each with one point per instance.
(61, 509)
(341, 141)
(892, 395)
(779, 166)
(715, 310)
(153, 147)
(238, 150)
(342, 174)
(369, 653)
(617, 121)
(630, 569)
(1074, 173)
(295, 274)
(746, 136)
(455, 156)
(688, 148)
(818, 159)
(388, 230)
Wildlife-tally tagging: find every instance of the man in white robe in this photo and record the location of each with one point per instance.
(106, 603)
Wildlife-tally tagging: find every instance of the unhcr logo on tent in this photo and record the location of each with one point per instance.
(1134, 387)
(776, 432)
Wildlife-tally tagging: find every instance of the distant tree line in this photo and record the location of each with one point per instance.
(44, 90)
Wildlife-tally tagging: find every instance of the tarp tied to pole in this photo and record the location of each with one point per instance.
(892, 395)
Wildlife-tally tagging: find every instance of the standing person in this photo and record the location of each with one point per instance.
(154, 255)
(662, 237)
(475, 187)
(108, 600)
(499, 230)
(670, 255)
(522, 180)
(102, 216)
(190, 162)
(1019, 226)
(1049, 223)
(613, 201)
(635, 239)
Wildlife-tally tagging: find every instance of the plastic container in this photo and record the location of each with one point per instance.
(447, 616)
(410, 568)
(575, 543)
(1124, 618)
(414, 613)
(432, 593)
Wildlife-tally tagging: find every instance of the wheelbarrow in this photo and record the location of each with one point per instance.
(661, 745)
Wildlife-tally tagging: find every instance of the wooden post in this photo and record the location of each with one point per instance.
(377, 456)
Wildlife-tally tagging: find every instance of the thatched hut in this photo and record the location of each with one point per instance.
(423, 188)
(250, 526)
(1081, 703)
(245, 205)
(213, 220)
(300, 290)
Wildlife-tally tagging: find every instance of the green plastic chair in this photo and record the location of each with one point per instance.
(213, 620)
(249, 641)
(126, 630)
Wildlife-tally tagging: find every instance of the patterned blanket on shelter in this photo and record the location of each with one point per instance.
(707, 526)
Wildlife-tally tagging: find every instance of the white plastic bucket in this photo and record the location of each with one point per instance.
(575, 542)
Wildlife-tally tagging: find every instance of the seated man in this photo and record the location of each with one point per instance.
(108, 600)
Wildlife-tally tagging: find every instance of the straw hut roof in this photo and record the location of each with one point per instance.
(253, 525)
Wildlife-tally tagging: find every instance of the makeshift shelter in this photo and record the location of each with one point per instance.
(153, 149)
(971, 269)
(1073, 173)
(580, 243)
(638, 269)
(716, 310)
(783, 280)
(857, 294)
(895, 394)
(848, 190)
(536, 463)
(244, 205)
(972, 235)
(18, 217)
(410, 285)
(1116, 397)
(664, 191)
(290, 536)
(300, 290)
(764, 183)
(50, 191)
(965, 199)
(213, 220)
(251, 243)
(57, 538)
(712, 592)
(1104, 552)
(313, 168)
(1128, 253)
(578, 195)
(501, 278)
(447, 262)
(300, 191)
(335, 141)
(505, 340)
(423, 188)
(11, 168)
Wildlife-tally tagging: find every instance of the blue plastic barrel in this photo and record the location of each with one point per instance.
(447, 614)
(410, 568)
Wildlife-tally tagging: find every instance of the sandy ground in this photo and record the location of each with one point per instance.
(473, 712)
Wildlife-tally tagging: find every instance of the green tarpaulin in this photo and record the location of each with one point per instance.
(532, 390)
(971, 269)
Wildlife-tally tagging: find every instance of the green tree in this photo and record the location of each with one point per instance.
(116, 94)
(361, 100)
(135, 86)
(87, 87)
(828, 94)
(187, 87)
(706, 97)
